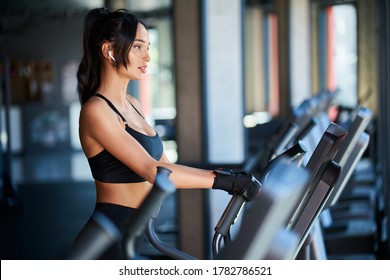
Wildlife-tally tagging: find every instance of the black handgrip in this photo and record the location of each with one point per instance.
(228, 218)
(230, 214)
(289, 155)
(296, 150)
(152, 236)
(162, 187)
(288, 136)
(163, 171)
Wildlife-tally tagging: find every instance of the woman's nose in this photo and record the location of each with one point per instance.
(147, 57)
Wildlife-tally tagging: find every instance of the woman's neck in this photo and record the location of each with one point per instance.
(113, 87)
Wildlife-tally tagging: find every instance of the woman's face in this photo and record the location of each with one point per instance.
(138, 55)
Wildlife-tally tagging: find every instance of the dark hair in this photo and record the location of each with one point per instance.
(100, 26)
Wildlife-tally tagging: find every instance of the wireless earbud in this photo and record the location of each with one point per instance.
(110, 55)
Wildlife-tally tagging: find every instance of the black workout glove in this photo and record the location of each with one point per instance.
(237, 183)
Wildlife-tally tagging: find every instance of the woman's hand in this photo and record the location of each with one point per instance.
(237, 183)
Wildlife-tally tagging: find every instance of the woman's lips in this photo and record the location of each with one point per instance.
(143, 69)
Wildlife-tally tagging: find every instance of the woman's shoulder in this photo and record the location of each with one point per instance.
(94, 106)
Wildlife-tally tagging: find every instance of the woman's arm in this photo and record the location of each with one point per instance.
(100, 123)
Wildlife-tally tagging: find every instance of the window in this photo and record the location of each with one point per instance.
(338, 47)
(261, 54)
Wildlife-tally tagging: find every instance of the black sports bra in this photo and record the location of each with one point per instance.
(106, 168)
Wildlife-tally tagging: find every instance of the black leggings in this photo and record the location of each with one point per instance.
(119, 215)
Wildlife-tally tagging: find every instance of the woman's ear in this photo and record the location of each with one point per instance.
(107, 52)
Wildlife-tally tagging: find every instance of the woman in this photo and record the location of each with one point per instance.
(123, 150)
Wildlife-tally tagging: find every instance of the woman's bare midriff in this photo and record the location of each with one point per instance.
(130, 195)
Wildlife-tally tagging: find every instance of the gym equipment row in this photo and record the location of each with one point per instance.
(304, 179)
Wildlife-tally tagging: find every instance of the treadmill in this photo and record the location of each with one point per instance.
(344, 156)
(351, 151)
(262, 228)
(324, 172)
